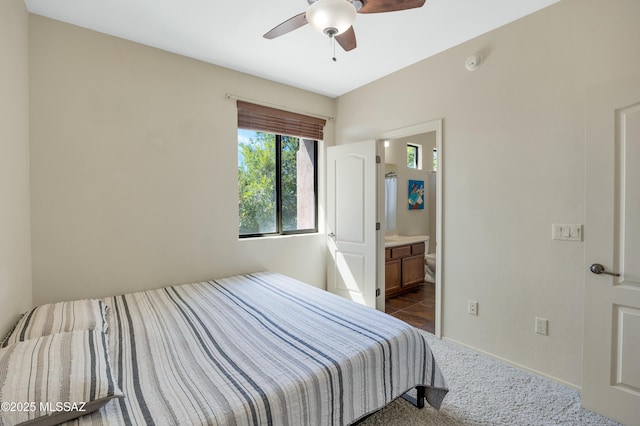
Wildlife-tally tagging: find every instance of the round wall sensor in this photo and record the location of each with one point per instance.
(473, 62)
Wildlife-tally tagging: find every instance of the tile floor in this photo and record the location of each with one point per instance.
(417, 308)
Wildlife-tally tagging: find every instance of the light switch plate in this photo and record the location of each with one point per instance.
(566, 232)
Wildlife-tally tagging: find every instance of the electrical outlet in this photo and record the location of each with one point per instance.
(542, 326)
(473, 307)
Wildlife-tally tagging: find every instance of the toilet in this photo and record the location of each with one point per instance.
(430, 267)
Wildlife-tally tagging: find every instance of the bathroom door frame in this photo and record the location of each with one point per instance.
(427, 127)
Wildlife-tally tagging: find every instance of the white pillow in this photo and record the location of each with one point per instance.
(88, 314)
(55, 378)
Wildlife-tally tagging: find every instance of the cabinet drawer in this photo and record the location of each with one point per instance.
(387, 253)
(417, 248)
(402, 251)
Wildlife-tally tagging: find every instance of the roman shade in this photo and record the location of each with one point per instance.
(266, 119)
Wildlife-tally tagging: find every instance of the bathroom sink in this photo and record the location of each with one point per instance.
(396, 240)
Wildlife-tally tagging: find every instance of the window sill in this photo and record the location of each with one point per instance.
(279, 237)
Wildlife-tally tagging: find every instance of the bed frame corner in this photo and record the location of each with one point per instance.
(418, 401)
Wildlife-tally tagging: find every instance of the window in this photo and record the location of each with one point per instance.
(412, 156)
(277, 173)
(435, 159)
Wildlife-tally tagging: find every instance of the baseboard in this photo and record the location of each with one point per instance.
(515, 364)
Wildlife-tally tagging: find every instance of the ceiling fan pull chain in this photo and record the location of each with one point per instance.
(333, 42)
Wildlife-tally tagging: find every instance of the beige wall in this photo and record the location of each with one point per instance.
(513, 163)
(15, 239)
(134, 158)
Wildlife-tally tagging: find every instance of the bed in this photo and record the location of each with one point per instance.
(256, 349)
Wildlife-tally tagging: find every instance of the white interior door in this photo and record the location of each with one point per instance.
(611, 352)
(352, 238)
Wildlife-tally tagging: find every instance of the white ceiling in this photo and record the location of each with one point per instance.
(229, 33)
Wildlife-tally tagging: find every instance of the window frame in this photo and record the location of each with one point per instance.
(416, 161)
(434, 158)
(280, 231)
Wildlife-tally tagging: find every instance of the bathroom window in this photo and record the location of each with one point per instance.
(435, 159)
(412, 156)
(277, 172)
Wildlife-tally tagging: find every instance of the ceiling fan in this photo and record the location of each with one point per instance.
(334, 18)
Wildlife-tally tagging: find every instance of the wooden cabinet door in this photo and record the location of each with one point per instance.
(392, 276)
(412, 271)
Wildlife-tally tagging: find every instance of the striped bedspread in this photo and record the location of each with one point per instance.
(259, 349)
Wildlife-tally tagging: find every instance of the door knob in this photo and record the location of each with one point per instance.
(598, 269)
(332, 235)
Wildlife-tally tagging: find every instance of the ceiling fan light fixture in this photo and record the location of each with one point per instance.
(331, 17)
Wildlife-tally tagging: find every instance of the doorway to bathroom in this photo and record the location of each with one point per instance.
(413, 235)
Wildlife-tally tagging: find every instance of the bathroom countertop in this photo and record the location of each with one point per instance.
(399, 240)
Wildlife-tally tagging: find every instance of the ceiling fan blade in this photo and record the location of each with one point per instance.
(347, 40)
(378, 6)
(287, 26)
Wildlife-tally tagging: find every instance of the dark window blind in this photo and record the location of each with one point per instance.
(266, 119)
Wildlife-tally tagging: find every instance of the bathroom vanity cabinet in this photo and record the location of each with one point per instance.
(404, 268)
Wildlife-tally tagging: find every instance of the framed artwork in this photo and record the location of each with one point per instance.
(416, 194)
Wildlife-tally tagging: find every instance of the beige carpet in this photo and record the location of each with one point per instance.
(484, 391)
